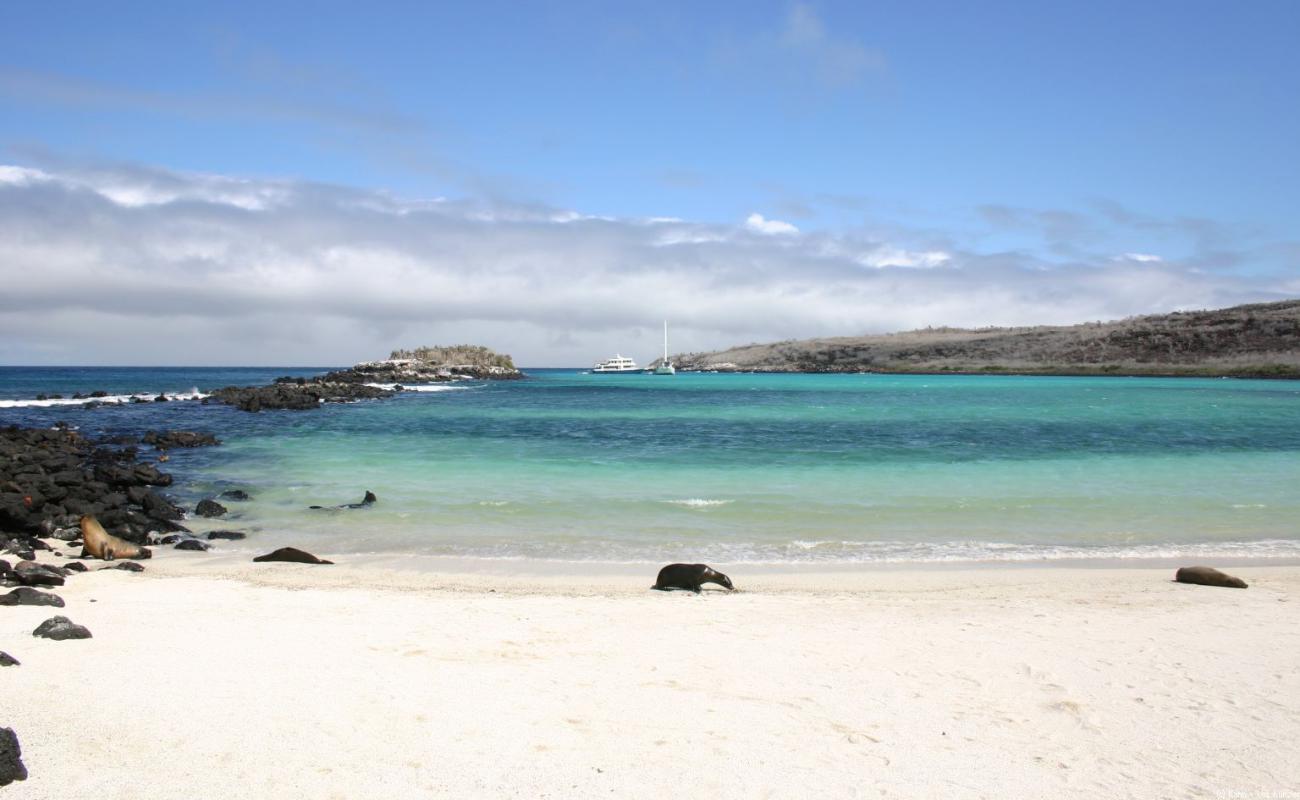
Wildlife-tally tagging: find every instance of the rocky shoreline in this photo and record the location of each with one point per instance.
(50, 478)
(372, 380)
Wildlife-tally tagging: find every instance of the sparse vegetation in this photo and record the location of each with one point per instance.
(455, 355)
(1259, 340)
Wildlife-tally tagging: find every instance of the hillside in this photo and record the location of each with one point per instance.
(1259, 340)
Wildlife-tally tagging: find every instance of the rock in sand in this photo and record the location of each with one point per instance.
(27, 596)
(126, 566)
(11, 758)
(61, 628)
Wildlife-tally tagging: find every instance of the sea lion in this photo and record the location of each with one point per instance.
(368, 500)
(292, 554)
(99, 543)
(1208, 576)
(689, 576)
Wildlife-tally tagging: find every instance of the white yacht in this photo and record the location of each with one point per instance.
(665, 367)
(618, 365)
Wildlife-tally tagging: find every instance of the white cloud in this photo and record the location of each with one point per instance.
(1142, 258)
(758, 224)
(21, 176)
(137, 265)
(887, 256)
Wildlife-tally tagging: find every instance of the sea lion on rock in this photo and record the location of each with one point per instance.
(99, 543)
(1208, 576)
(689, 576)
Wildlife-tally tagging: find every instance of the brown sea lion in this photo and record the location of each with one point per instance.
(99, 543)
(1208, 576)
(689, 576)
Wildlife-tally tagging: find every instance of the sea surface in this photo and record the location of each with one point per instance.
(732, 468)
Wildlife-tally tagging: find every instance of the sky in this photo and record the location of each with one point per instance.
(320, 183)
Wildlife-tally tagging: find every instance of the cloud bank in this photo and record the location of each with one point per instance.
(133, 265)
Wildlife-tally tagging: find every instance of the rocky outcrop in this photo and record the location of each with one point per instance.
(295, 394)
(432, 365)
(402, 368)
(168, 440)
(50, 478)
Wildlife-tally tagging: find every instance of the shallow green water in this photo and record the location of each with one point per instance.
(783, 468)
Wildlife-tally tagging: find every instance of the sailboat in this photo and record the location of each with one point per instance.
(665, 367)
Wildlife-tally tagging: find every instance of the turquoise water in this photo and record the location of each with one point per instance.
(775, 468)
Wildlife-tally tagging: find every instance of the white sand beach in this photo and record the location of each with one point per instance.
(212, 677)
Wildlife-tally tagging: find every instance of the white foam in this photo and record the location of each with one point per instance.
(420, 387)
(112, 399)
(696, 502)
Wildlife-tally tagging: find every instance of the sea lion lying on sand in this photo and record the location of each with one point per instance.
(690, 576)
(1208, 576)
(368, 500)
(292, 554)
(99, 543)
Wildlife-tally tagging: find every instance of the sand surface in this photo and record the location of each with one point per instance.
(213, 677)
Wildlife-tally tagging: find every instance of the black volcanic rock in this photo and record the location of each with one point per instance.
(227, 535)
(168, 440)
(11, 758)
(292, 554)
(29, 573)
(27, 596)
(60, 629)
(7, 660)
(209, 508)
(238, 495)
(192, 544)
(295, 397)
(157, 507)
(125, 566)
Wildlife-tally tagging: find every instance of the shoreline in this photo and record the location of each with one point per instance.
(415, 572)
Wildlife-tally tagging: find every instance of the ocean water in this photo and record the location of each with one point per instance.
(736, 468)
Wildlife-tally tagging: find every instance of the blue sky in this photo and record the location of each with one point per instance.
(1009, 137)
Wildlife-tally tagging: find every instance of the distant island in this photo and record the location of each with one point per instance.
(372, 380)
(1261, 340)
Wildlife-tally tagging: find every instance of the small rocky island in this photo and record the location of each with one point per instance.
(371, 380)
